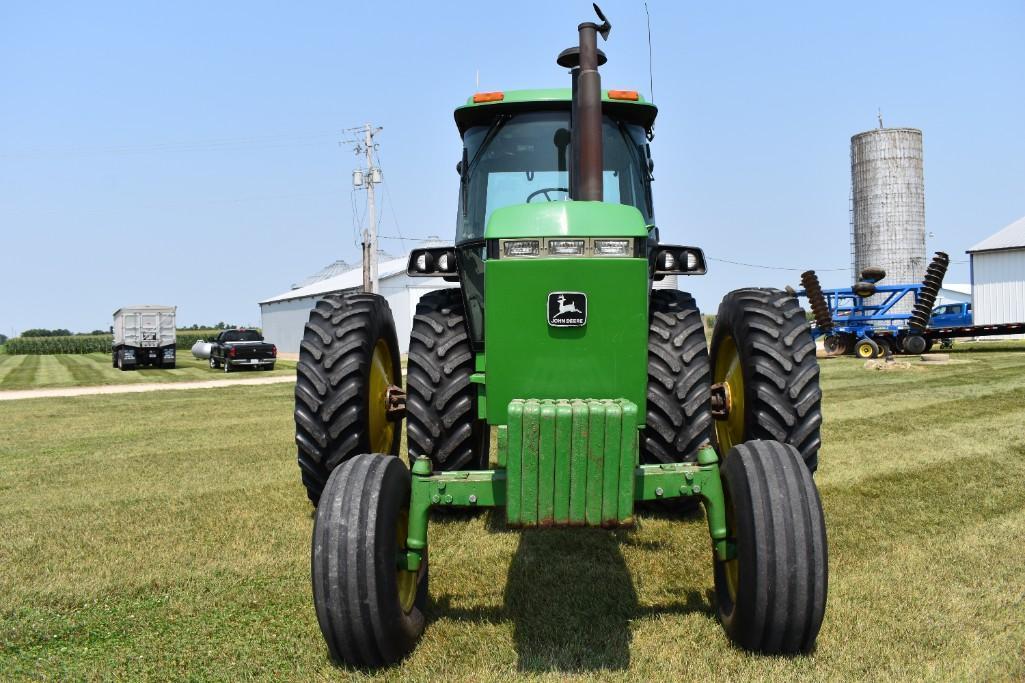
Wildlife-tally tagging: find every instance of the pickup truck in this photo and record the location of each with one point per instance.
(242, 348)
(951, 315)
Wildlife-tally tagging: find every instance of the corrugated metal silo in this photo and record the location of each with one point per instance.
(888, 211)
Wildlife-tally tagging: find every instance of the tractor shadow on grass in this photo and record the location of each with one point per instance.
(571, 599)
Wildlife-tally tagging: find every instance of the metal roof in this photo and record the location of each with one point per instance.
(352, 279)
(1011, 237)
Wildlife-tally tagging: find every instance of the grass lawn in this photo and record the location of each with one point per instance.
(88, 369)
(166, 536)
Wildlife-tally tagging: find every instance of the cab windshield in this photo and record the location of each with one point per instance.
(526, 159)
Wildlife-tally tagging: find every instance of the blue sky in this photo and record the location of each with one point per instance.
(187, 153)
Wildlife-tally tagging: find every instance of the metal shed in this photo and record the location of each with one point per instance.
(284, 316)
(998, 276)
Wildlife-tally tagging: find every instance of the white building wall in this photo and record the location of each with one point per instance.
(998, 287)
(952, 296)
(283, 322)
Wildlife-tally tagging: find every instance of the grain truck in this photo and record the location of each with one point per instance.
(144, 335)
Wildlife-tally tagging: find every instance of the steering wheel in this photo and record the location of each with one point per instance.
(545, 191)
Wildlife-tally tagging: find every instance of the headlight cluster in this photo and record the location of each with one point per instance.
(675, 260)
(437, 262)
(600, 247)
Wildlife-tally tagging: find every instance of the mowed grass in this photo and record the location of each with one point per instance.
(166, 536)
(94, 369)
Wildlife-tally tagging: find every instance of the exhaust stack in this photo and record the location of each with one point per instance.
(584, 60)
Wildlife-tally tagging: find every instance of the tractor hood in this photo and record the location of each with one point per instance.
(566, 219)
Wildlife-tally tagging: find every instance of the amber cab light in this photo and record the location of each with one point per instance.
(488, 97)
(624, 95)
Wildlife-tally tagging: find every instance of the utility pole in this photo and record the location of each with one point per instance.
(368, 178)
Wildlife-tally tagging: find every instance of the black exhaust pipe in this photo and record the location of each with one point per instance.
(584, 60)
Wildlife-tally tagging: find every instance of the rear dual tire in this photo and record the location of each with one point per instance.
(441, 403)
(763, 352)
(679, 418)
(348, 358)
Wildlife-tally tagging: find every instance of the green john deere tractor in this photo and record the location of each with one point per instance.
(599, 389)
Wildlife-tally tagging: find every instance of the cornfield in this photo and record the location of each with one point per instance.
(88, 343)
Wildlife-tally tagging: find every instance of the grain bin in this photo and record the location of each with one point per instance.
(888, 206)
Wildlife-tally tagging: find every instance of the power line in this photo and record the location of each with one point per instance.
(757, 265)
(796, 270)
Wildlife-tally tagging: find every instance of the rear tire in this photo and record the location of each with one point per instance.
(771, 598)
(213, 363)
(441, 402)
(679, 417)
(915, 344)
(763, 351)
(370, 612)
(349, 348)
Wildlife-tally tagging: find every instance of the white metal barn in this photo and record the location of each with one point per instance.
(998, 277)
(284, 316)
(954, 294)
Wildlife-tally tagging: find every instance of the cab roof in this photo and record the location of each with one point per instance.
(638, 111)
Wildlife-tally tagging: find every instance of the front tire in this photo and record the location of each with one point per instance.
(679, 417)
(348, 358)
(771, 597)
(762, 351)
(370, 612)
(441, 404)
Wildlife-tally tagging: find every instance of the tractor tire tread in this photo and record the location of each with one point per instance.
(352, 562)
(678, 420)
(331, 383)
(441, 401)
(782, 551)
(783, 394)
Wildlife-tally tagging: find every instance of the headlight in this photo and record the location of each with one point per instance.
(566, 247)
(446, 262)
(424, 262)
(612, 248)
(521, 247)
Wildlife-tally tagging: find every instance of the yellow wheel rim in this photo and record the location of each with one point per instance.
(728, 372)
(865, 351)
(382, 430)
(405, 580)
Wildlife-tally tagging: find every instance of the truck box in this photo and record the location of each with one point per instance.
(144, 335)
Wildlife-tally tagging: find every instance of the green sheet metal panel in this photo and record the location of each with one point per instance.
(605, 358)
(571, 462)
(565, 219)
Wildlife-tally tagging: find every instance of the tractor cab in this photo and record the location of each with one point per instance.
(518, 148)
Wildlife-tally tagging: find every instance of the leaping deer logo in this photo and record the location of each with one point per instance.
(566, 308)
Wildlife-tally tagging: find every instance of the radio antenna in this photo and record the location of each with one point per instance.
(651, 78)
